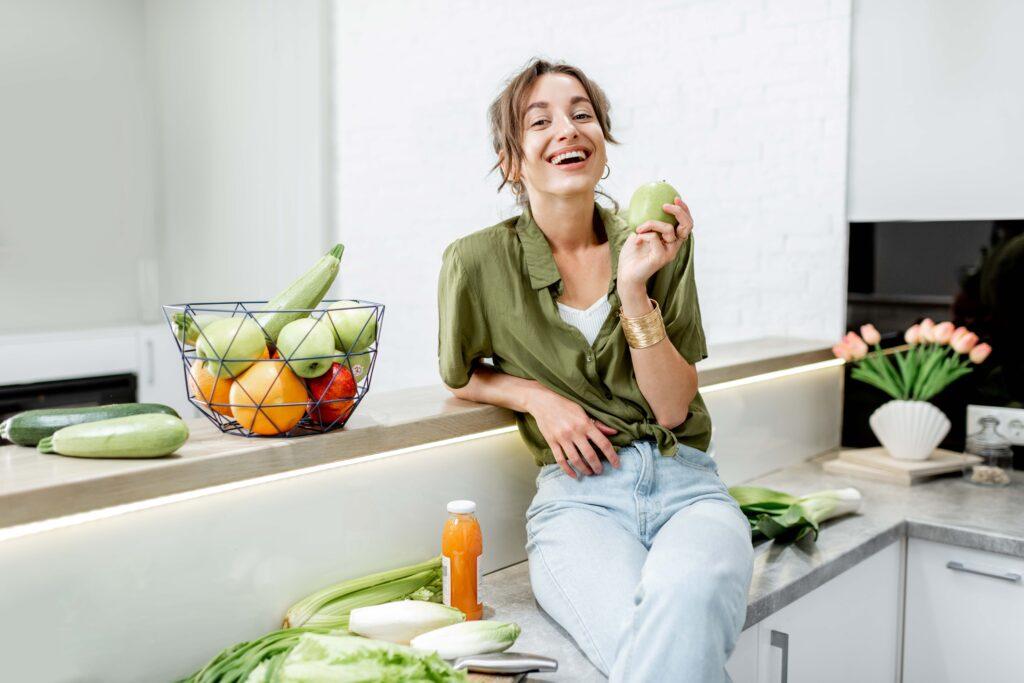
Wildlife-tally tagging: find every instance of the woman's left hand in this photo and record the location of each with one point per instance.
(653, 245)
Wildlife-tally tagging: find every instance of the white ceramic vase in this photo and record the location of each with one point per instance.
(909, 430)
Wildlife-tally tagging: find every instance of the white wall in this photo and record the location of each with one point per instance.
(241, 101)
(936, 110)
(77, 230)
(742, 105)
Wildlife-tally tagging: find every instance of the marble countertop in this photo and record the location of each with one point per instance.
(35, 487)
(946, 510)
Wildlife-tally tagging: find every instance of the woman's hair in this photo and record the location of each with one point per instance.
(507, 111)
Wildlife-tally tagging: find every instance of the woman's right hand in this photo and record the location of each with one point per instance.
(572, 434)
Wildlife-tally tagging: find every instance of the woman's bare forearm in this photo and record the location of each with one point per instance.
(488, 385)
(664, 377)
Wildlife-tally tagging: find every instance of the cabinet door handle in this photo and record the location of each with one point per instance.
(1012, 577)
(151, 357)
(781, 641)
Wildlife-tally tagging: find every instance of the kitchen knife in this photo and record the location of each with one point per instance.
(506, 663)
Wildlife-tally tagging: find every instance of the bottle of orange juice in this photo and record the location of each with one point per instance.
(461, 547)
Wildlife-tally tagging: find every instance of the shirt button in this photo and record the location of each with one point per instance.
(590, 357)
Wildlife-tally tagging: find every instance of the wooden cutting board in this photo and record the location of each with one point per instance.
(876, 463)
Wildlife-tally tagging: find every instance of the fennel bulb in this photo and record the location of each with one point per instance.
(401, 621)
(468, 638)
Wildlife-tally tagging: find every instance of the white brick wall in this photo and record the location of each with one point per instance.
(741, 104)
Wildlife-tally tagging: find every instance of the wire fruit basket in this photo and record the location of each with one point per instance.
(309, 380)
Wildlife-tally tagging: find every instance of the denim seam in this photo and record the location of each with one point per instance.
(565, 596)
(684, 461)
(630, 636)
(641, 526)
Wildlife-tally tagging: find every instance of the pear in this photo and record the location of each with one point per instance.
(355, 325)
(230, 345)
(307, 345)
(646, 202)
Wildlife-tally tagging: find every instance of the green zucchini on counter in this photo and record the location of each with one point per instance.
(28, 427)
(304, 293)
(136, 436)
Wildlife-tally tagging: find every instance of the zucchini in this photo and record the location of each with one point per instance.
(305, 293)
(187, 326)
(135, 436)
(28, 427)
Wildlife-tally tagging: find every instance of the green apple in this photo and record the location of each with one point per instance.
(307, 345)
(360, 363)
(646, 202)
(230, 345)
(355, 325)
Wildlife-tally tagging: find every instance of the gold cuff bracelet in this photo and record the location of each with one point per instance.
(646, 330)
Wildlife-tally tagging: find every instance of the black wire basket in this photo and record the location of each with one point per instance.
(251, 378)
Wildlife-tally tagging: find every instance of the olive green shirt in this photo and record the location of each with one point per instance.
(497, 295)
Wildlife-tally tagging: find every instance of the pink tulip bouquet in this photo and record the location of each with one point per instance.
(938, 355)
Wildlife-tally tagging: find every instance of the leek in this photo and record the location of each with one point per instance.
(784, 517)
(237, 662)
(330, 607)
(400, 622)
(468, 638)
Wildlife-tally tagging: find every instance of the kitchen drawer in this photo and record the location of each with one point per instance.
(962, 625)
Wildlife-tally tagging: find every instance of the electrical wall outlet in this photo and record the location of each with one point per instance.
(1011, 421)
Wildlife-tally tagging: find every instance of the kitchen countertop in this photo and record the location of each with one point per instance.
(36, 487)
(947, 510)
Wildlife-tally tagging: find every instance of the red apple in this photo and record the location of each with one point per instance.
(331, 389)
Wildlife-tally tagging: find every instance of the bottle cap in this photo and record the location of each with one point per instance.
(461, 507)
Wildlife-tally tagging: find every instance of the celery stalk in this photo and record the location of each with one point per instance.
(335, 614)
(301, 612)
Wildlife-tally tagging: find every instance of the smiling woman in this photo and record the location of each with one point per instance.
(510, 116)
(646, 561)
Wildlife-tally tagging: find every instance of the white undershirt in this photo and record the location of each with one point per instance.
(590, 321)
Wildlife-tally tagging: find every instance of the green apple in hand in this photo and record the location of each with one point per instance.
(307, 345)
(239, 340)
(645, 205)
(355, 325)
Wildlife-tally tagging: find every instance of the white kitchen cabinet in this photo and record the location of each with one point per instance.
(964, 615)
(160, 372)
(742, 665)
(844, 630)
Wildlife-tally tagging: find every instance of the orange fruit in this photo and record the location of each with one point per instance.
(208, 389)
(268, 398)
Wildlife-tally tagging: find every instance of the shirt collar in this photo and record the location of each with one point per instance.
(540, 262)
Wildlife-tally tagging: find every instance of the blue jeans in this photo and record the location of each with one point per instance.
(647, 566)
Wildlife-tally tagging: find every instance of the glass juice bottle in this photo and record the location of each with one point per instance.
(461, 547)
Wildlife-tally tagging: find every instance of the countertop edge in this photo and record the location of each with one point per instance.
(275, 457)
(764, 607)
(390, 421)
(966, 537)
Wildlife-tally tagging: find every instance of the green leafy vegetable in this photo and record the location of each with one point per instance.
(351, 659)
(330, 607)
(784, 517)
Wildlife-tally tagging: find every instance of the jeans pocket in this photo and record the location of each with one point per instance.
(549, 472)
(694, 457)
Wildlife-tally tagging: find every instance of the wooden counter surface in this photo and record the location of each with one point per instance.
(35, 487)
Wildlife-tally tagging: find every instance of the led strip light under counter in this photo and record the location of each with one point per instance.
(31, 528)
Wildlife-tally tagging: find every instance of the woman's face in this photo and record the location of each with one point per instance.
(559, 118)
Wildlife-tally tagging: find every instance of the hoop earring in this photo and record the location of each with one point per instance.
(608, 172)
